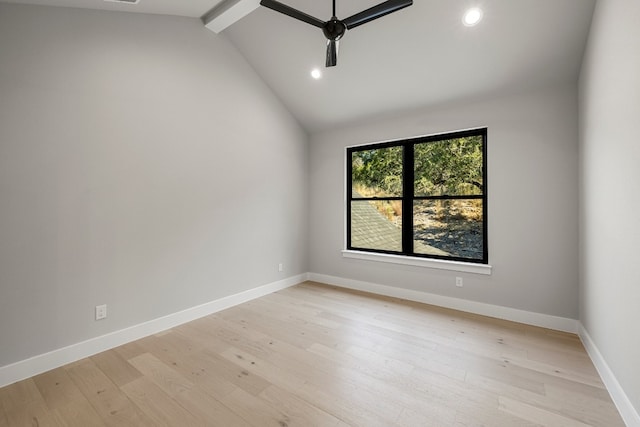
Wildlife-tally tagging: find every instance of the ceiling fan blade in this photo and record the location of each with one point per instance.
(332, 53)
(375, 12)
(294, 13)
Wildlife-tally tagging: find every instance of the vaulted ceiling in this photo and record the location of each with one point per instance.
(420, 56)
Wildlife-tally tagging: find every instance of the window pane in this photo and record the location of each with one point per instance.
(451, 167)
(376, 225)
(452, 227)
(377, 172)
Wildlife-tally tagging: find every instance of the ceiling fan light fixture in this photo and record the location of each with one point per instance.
(316, 73)
(472, 16)
(332, 53)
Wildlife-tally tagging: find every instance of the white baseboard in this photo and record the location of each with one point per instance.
(521, 316)
(619, 397)
(14, 372)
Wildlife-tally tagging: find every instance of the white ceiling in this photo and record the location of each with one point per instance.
(419, 56)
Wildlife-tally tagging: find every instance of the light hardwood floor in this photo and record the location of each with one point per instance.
(314, 355)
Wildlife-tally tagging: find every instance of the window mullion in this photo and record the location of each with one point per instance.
(407, 198)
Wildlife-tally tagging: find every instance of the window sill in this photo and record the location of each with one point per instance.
(420, 262)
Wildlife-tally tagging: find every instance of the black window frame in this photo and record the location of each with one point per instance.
(408, 197)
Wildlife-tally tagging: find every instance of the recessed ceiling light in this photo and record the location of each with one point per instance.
(472, 17)
(316, 73)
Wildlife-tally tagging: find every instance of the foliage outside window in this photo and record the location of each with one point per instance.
(423, 197)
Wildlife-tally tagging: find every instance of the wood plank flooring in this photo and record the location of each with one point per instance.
(314, 355)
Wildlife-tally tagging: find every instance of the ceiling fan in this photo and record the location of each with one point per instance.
(335, 28)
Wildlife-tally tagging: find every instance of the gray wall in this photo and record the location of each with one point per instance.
(533, 201)
(143, 165)
(610, 174)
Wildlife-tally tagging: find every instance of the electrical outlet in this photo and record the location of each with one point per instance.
(101, 312)
(459, 282)
(280, 267)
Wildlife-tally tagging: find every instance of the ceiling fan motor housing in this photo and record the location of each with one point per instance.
(334, 29)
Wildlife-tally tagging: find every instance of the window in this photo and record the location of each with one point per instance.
(420, 197)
